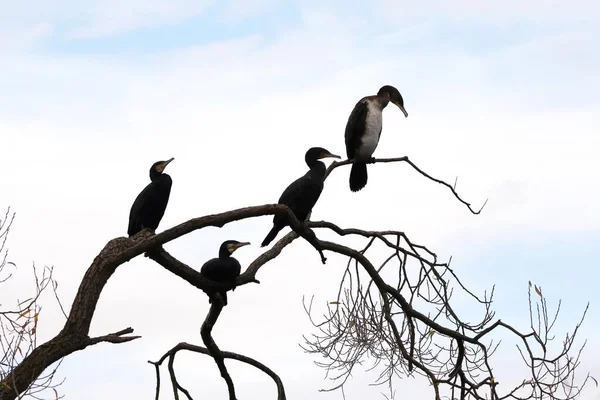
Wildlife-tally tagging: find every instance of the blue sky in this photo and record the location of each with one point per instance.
(503, 95)
(212, 26)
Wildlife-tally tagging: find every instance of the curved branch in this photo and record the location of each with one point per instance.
(226, 354)
(149, 241)
(176, 385)
(206, 333)
(405, 159)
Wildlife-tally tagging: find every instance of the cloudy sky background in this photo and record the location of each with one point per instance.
(503, 95)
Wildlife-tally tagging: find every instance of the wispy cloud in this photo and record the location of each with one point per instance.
(109, 18)
(557, 11)
(101, 18)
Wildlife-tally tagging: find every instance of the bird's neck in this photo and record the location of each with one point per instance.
(317, 170)
(381, 101)
(160, 178)
(223, 254)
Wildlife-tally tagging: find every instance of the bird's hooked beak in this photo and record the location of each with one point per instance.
(161, 167)
(328, 155)
(234, 246)
(402, 109)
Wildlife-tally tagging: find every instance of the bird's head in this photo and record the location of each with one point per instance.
(316, 153)
(394, 96)
(229, 246)
(158, 168)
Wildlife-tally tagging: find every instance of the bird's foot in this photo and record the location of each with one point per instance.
(150, 230)
(371, 160)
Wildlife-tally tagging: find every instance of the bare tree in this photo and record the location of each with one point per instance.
(18, 325)
(398, 314)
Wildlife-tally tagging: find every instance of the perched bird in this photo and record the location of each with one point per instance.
(302, 194)
(150, 205)
(225, 268)
(363, 130)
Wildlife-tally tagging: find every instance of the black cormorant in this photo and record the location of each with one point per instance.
(225, 268)
(364, 129)
(150, 205)
(302, 194)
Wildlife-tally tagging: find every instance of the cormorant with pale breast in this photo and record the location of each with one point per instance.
(150, 205)
(363, 131)
(302, 194)
(224, 269)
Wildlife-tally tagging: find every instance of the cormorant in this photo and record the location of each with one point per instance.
(150, 205)
(224, 268)
(302, 194)
(363, 131)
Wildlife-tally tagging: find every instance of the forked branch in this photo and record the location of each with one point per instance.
(225, 354)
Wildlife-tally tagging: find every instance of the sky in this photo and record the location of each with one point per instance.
(504, 95)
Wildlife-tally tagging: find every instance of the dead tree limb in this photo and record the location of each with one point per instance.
(74, 335)
(405, 159)
(19, 323)
(226, 354)
(206, 333)
(397, 333)
(392, 325)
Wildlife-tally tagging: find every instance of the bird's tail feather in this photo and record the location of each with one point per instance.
(134, 227)
(271, 235)
(358, 176)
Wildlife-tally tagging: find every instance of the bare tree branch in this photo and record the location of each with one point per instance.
(405, 159)
(117, 337)
(198, 280)
(206, 333)
(358, 327)
(74, 335)
(18, 326)
(226, 354)
(401, 317)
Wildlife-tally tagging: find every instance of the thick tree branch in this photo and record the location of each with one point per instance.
(217, 220)
(74, 335)
(193, 276)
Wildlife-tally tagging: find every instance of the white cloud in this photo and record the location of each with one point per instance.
(20, 39)
(238, 10)
(114, 17)
(485, 11)
(99, 18)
